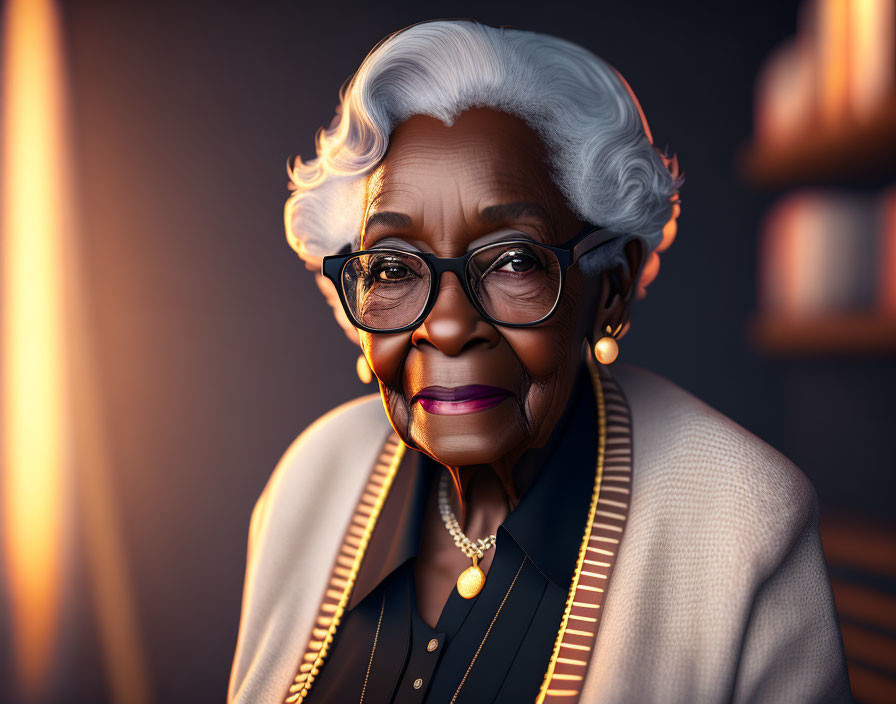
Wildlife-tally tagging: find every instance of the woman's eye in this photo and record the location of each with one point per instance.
(518, 262)
(390, 270)
(392, 273)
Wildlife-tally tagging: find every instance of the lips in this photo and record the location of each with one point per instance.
(459, 400)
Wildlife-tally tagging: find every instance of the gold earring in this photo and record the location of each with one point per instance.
(363, 368)
(606, 348)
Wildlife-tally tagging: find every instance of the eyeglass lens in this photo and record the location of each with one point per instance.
(516, 283)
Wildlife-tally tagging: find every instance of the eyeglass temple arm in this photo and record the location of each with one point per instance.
(593, 240)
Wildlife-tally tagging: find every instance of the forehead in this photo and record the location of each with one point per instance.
(443, 177)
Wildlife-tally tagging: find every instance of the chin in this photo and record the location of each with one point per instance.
(460, 451)
(471, 439)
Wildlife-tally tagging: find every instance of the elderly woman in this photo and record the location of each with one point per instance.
(520, 524)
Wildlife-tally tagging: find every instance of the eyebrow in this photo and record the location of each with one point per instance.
(490, 214)
(508, 211)
(388, 219)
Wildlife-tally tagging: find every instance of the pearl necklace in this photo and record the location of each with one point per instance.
(472, 579)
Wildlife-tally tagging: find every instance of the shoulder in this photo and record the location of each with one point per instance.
(295, 530)
(338, 434)
(336, 448)
(700, 472)
(719, 577)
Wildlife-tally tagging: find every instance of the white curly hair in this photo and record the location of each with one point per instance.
(601, 151)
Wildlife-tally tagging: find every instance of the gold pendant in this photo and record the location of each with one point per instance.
(471, 580)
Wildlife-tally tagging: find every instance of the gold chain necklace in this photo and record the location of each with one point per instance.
(472, 579)
(353, 551)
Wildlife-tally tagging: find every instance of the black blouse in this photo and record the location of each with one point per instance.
(496, 646)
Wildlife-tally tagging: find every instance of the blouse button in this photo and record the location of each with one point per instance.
(418, 683)
(432, 645)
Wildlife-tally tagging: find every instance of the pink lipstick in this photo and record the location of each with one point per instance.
(459, 400)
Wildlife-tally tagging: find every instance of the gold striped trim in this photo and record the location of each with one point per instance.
(614, 464)
(589, 619)
(619, 489)
(601, 551)
(354, 546)
(616, 426)
(574, 647)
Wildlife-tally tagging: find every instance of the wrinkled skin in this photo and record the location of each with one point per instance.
(441, 178)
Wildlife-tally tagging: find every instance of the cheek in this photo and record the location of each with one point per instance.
(550, 354)
(547, 350)
(386, 355)
(541, 353)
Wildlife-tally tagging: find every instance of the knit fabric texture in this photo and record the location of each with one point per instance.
(720, 591)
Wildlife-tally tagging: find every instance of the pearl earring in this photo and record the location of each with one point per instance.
(606, 348)
(363, 368)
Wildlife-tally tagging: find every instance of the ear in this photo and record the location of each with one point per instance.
(326, 287)
(618, 285)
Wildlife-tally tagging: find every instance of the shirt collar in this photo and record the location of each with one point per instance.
(396, 536)
(547, 524)
(550, 520)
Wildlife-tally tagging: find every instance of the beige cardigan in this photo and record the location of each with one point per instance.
(720, 590)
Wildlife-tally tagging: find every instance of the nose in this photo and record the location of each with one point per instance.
(454, 324)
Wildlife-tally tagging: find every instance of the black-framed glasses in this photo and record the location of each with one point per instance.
(516, 282)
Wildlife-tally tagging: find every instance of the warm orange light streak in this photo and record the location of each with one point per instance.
(33, 354)
(107, 559)
(55, 451)
(872, 64)
(833, 40)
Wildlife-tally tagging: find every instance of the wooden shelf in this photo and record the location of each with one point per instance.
(861, 554)
(847, 333)
(854, 151)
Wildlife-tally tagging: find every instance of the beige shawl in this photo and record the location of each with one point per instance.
(720, 591)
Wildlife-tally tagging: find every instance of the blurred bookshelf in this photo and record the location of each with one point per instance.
(825, 120)
(825, 139)
(849, 333)
(855, 150)
(861, 556)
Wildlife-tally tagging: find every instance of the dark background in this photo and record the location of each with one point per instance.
(216, 348)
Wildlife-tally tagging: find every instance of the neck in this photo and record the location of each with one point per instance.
(485, 494)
